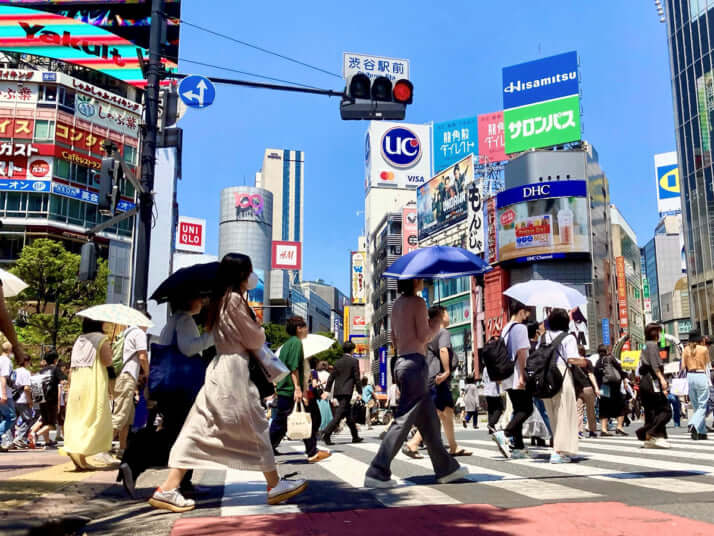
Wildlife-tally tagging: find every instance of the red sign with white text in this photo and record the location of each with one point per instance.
(410, 230)
(286, 255)
(191, 235)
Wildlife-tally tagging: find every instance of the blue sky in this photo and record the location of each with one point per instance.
(457, 51)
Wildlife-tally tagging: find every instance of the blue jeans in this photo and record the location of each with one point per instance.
(676, 408)
(24, 412)
(699, 395)
(7, 421)
(540, 406)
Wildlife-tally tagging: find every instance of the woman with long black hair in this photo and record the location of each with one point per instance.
(226, 427)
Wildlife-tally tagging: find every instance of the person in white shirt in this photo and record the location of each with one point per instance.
(135, 359)
(515, 335)
(7, 404)
(23, 404)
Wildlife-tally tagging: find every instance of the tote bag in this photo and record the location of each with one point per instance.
(299, 423)
(172, 374)
(679, 386)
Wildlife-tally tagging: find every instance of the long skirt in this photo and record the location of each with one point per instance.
(562, 410)
(88, 419)
(226, 427)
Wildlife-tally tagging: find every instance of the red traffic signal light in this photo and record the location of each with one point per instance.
(403, 91)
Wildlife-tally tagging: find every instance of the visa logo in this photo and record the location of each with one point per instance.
(415, 179)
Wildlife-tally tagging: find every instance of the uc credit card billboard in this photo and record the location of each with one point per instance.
(542, 221)
(668, 188)
(397, 155)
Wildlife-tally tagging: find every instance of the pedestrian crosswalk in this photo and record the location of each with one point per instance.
(614, 468)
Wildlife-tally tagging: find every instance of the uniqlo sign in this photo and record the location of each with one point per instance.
(286, 256)
(191, 235)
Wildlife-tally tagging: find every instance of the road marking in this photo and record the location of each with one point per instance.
(514, 483)
(677, 452)
(245, 493)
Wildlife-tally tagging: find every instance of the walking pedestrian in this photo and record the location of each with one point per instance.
(470, 403)
(515, 335)
(412, 330)
(653, 391)
(369, 400)
(23, 402)
(495, 403)
(227, 427)
(345, 380)
(587, 391)
(88, 423)
(535, 330)
(49, 409)
(562, 407)
(294, 389)
(319, 380)
(695, 361)
(150, 447)
(7, 400)
(135, 360)
(609, 375)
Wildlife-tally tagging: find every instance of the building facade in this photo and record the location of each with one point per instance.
(283, 174)
(246, 226)
(690, 32)
(336, 301)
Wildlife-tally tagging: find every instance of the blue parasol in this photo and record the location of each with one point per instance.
(436, 262)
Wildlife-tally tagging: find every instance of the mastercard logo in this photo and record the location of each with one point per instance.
(386, 176)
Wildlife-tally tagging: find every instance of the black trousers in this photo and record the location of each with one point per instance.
(495, 407)
(344, 410)
(150, 447)
(279, 425)
(522, 402)
(658, 412)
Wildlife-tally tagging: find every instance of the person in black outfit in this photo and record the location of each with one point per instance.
(609, 375)
(346, 379)
(653, 391)
(49, 409)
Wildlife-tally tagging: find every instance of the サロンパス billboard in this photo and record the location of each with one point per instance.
(358, 279)
(441, 202)
(542, 124)
(668, 189)
(542, 221)
(397, 155)
(540, 80)
(491, 137)
(453, 141)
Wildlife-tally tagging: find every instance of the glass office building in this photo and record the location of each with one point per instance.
(690, 32)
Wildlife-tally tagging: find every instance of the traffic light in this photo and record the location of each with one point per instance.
(88, 262)
(110, 177)
(375, 99)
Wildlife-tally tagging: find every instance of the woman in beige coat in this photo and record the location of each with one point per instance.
(226, 427)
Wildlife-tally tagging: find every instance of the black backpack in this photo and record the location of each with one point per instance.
(543, 378)
(497, 359)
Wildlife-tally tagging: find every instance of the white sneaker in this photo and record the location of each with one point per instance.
(560, 458)
(171, 500)
(520, 454)
(662, 443)
(370, 482)
(285, 490)
(500, 439)
(649, 444)
(458, 474)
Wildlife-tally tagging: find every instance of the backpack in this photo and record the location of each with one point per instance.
(40, 385)
(16, 393)
(497, 359)
(610, 373)
(118, 351)
(543, 377)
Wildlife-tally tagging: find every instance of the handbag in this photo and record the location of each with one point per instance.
(172, 374)
(257, 375)
(610, 373)
(679, 386)
(270, 364)
(299, 423)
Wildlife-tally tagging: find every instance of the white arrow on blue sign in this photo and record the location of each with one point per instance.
(197, 91)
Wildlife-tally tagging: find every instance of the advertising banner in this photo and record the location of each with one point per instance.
(475, 240)
(87, 196)
(397, 155)
(18, 93)
(374, 66)
(453, 141)
(668, 189)
(12, 185)
(540, 80)
(622, 297)
(630, 359)
(492, 230)
(410, 230)
(16, 127)
(286, 255)
(543, 221)
(382, 385)
(542, 125)
(191, 234)
(491, 138)
(357, 275)
(606, 331)
(256, 297)
(441, 202)
(73, 40)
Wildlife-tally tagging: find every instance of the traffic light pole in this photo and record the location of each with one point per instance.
(154, 72)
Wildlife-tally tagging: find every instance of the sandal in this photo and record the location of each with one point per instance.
(77, 463)
(461, 452)
(411, 453)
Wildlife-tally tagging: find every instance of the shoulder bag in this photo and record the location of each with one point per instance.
(173, 374)
(299, 423)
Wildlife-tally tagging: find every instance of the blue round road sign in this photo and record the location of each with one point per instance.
(197, 91)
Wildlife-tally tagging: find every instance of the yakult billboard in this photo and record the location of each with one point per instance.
(191, 235)
(397, 155)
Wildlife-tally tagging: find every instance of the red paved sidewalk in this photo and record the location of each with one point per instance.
(581, 519)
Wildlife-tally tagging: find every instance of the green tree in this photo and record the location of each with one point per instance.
(52, 275)
(275, 335)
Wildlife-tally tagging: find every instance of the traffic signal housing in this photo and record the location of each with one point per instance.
(375, 99)
(88, 262)
(109, 178)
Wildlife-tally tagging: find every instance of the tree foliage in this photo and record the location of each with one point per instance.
(52, 275)
(275, 335)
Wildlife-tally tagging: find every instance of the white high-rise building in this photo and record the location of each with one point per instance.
(283, 174)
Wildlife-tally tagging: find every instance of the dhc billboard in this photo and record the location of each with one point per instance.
(540, 80)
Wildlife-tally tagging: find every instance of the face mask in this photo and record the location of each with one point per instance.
(252, 281)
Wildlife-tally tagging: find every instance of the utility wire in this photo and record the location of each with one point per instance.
(261, 49)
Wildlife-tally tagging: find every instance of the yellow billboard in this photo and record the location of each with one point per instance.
(630, 359)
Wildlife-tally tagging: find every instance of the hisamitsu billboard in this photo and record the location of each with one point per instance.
(540, 80)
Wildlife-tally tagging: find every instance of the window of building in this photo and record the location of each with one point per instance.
(76, 212)
(15, 204)
(36, 203)
(57, 208)
(44, 130)
(130, 154)
(47, 94)
(61, 168)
